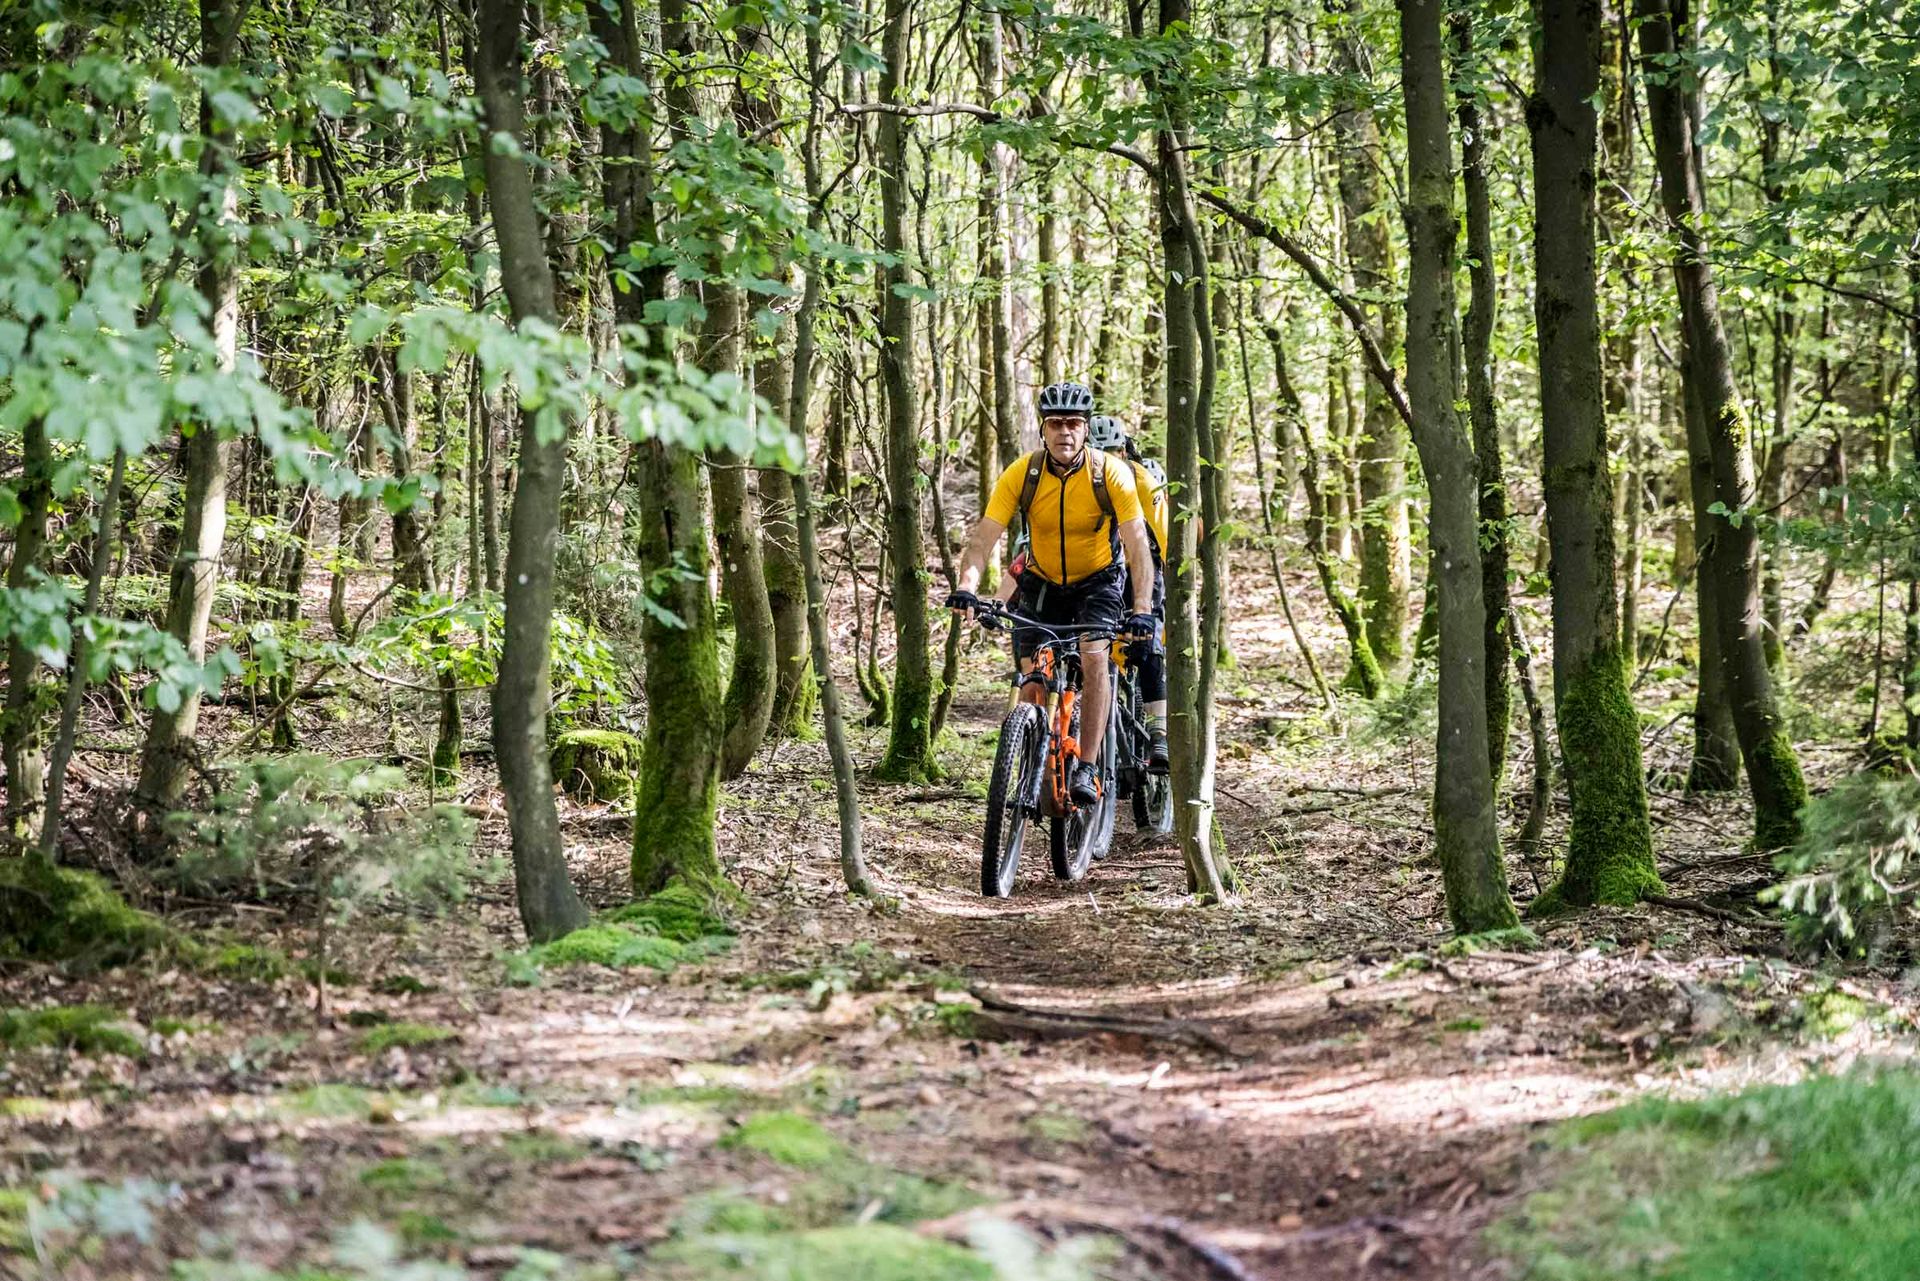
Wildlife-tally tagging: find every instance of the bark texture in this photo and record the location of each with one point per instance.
(1731, 570)
(1609, 841)
(1466, 831)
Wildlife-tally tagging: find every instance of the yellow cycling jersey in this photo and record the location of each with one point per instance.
(1070, 535)
(1153, 505)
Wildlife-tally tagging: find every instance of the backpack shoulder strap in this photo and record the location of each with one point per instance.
(1035, 461)
(1097, 473)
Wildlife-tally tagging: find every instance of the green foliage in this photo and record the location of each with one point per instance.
(786, 1137)
(617, 943)
(248, 961)
(83, 1029)
(1847, 880)
(55, 914)
(1676, 1191)
(324, 829)
(404, 1035)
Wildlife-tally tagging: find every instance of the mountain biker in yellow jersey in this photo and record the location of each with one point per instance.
(1108, 434)
(1083, 514)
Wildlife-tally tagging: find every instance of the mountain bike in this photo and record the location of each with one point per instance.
(1036, 755)
(1150, 793)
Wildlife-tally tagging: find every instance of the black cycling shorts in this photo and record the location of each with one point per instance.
(1097, 600)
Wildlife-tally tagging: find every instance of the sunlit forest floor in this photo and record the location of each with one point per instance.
(1306, 1083)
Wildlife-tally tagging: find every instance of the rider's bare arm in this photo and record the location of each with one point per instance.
(1133, 541)
(980, 544)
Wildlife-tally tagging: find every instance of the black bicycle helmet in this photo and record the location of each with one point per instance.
(1066, 398)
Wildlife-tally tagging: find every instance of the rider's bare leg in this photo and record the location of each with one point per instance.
(1095, 676)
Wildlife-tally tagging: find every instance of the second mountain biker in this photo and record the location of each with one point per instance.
(1086, 527)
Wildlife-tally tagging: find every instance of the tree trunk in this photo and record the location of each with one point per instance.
(679, 786)
(23, 727)
(1466, 830)
(909, 740)
(747, 708)
(1610, 841)
(793, 696)
(1733, 569)
(195, 574)
(1384, 539)
(548, 905)
(995, 250)
(1189, 728)
(1495, 514)
(394, 388)
(1363, 669)
(1716, 747)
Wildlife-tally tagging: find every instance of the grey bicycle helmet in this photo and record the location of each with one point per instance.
(1105, 432)
(1066, 398)
(1155, 472)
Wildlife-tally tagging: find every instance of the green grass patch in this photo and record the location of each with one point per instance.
(1809, 1181)
(169, 1027)
(403, 985)
(248, 961)
(83, 1029)
(870, 1252)
(615, 945)
(786, 1137)
(332, 1099)
(15, 1203)
(403, 1176)
(484, 1094)
(404, 1035)
(1463, 1025)
(1056, 1127)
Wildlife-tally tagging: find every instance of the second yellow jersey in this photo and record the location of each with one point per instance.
(1070, 535)
(1153, 506)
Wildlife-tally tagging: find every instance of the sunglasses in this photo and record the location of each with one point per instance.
(1063, 420)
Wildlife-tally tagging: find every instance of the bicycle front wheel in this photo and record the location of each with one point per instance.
(1021, 737)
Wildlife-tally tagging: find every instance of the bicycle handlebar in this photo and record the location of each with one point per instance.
(996, 617)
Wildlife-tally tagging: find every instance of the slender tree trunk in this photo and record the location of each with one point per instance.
(1495, 514)
(910, 740)
(793, 697)
(1363, 670)
(747, 708)
(678, 788)
(1189, 730)
(1384, 538)
(394, 389)
(1773, 768)
(1465, 825)
(1046, 261)
(1610, 840)
(548, 905)
(195, 574)
(24, 725)
(1716, 747)
(995, 249)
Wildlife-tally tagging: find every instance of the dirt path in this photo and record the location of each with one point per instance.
(1302, 1085)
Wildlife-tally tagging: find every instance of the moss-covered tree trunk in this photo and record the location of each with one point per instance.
(1482, 407)
(1732, 572)
(747, 708)
(521, 694)
(22, 729)
(1466, 830)
(910, 731)
(195, 573)
(1610, 841)
(1385, 552)
(679, 783)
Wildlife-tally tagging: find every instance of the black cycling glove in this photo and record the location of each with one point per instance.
(963, 600)
(1139, 626)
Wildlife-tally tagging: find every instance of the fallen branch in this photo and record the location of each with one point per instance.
(996, 1014)
(1707, 909)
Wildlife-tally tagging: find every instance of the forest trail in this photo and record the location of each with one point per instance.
(1307, 1084)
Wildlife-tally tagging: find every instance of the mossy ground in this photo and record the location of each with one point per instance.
(404, 1035)
(83, 1029)
(1610, 839)
(1814, 1180)
(786, 1137)
(870, 1252)
(679, 912)
(617, 947)
(51, 913)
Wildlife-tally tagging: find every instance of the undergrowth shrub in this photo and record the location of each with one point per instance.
(1852, 878)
